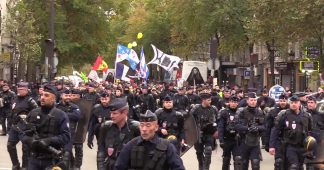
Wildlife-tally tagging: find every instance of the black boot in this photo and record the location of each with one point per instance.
(12, 150)
(78, 155)
(226, 163)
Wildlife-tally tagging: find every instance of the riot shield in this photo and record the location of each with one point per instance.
(191, 133)
(85, 107)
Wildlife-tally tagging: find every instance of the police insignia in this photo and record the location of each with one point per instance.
(231, 118)
(287, 123)
(110, 151)
(99, 119)
(293, 126)
(13, 105)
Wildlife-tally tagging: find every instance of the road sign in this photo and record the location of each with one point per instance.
(275, 91)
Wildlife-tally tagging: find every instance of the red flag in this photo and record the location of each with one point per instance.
(97, 64)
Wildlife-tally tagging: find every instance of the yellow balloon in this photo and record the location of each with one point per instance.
(134, 44)
(139, 35)
(130, 45)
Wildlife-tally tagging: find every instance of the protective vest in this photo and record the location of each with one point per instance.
(296, 127)
(252, 118)
(144, 159)
(170, 121)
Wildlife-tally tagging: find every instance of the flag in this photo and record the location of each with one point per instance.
(84, 77)
(121, 72)
(167, 62)
(100, 64)
(144, 71)
(94, 76)
(124, 53)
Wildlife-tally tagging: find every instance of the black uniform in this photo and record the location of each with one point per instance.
(112, 140)
(50, 133)
(173, 122)
(73, 113)
(146, 102)
(294, 129)
(21, 105)
(99, 115)
(154, 153)
(227, 135)
(193, 98)
(270, 123)
(93, 96)
(181, 103)
(205, 118)
(5, 111)
(265, 101)
(250, 123)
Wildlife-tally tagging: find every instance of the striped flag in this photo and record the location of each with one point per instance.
(144, 71)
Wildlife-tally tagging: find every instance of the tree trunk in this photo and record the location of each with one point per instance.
(271, 50)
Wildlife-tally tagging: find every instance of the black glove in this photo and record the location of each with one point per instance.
(221, 144)
(41, 144)
(266, 148)
(90, 144)
(253, 129)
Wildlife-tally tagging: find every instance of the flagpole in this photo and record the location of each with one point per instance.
(116, 65)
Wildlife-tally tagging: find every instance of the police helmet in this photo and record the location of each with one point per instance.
(310, 143)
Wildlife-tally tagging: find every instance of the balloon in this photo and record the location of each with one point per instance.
(129, 45)
(134, 44)
(139, 35)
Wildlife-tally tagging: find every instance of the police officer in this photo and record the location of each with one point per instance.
(100, 113)
(22, 104)
(91, 94)
(317, 131)
(193, 98)
(270, 122)
(146, 101)
(226, 131)
(7, 97)
(73, 113)
(294, 124)
(265, 101)
(180, 101)
(250, 123)
(171, 123)
(205, 116)
(115, 133)
(48, 131)
(168, 90)
(148, 151)
(226, 98)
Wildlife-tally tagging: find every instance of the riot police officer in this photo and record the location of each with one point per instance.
(226, 131)
(146, 101)
(115, 133)
(317, 131)
(205, 116)
(73, 113)
(250, 123)
(193, 98)
(22, 104)
(265, 101)
(91, 94)
(47, 131)
(270, 122)
(7, 97)
(171, 123)
(100, 113)
(180, 101)
(148, 151)
(168, 90)
(294, 124)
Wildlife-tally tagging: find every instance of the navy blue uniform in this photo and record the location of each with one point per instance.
(173, 122)
(250, 123)
(147, 151)
(205, 118)
(5, 111)
(73, 113)
(21, 105)
(227, 135)
(99, 114)
(294, 129)
(51, 130)
(181, 103)
(112, 140)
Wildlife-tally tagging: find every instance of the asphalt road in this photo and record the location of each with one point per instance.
(89, 159)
